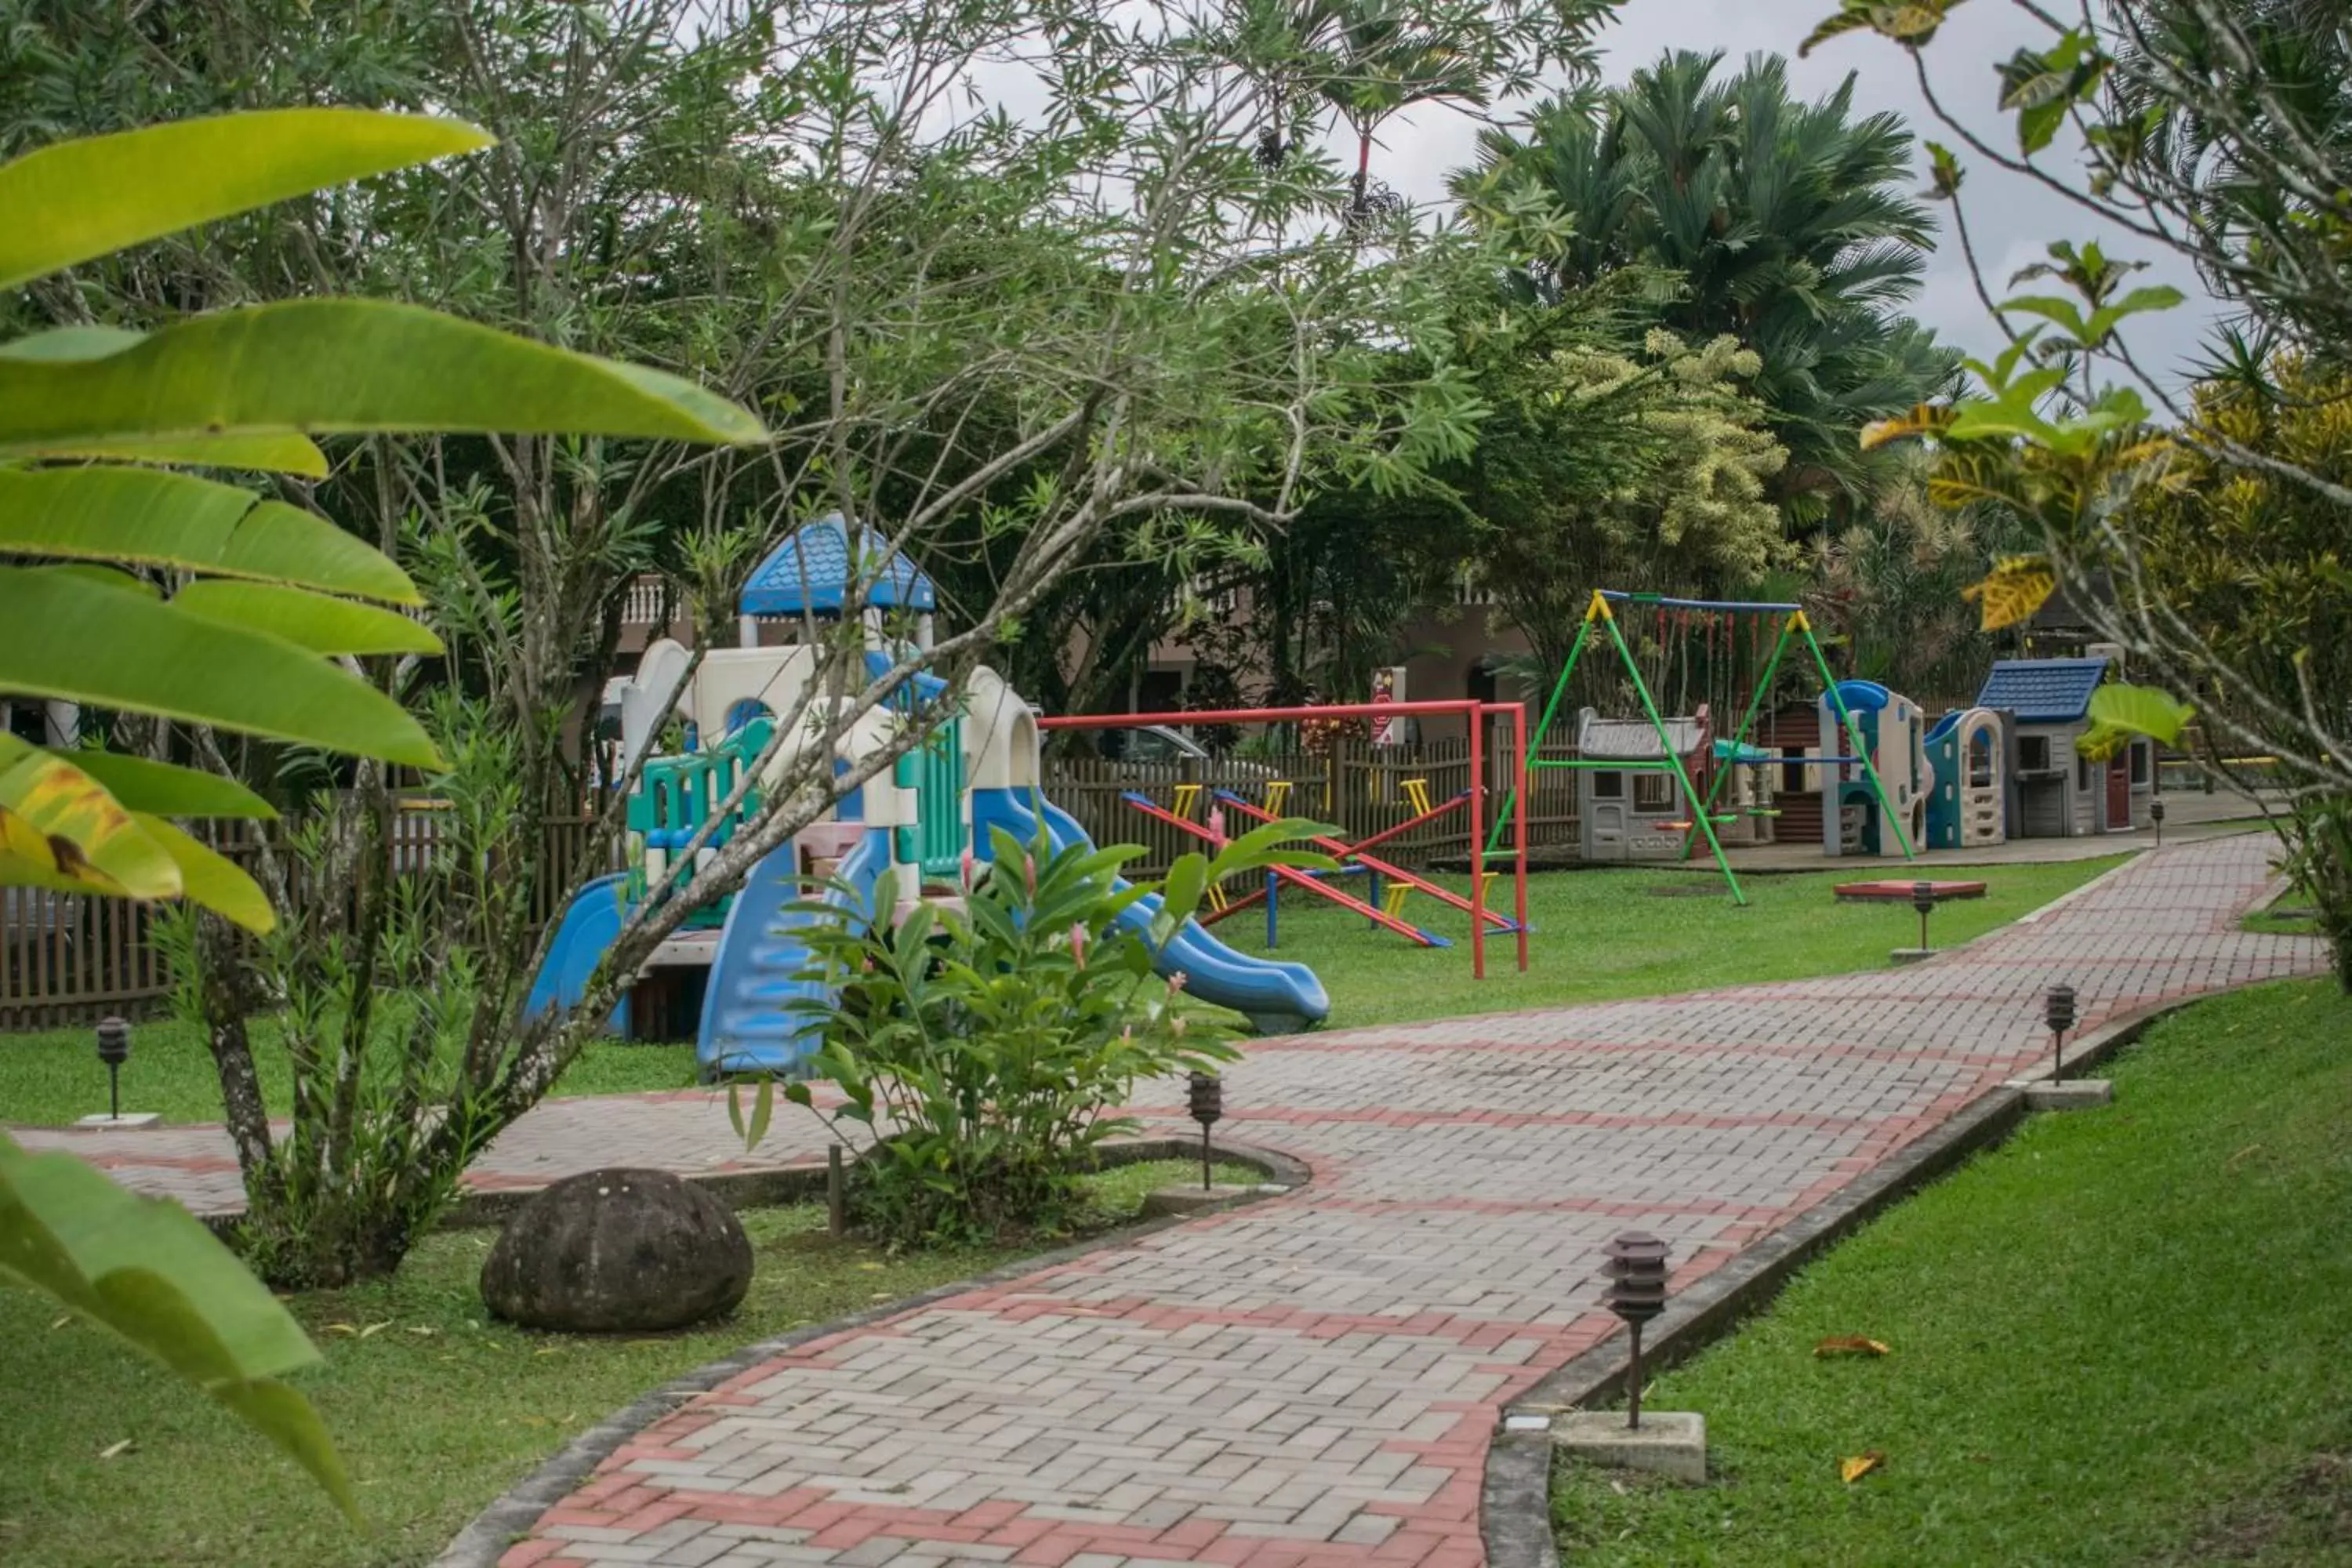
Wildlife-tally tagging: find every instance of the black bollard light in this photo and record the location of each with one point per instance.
(1206, 1097)
(1636, 1293)
(113, 1049)
(1922, 899)
(2058, 1012)
(2155, 815)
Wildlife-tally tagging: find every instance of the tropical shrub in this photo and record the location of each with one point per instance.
(984, 1055)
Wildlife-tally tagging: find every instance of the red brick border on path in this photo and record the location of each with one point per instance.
(1313, 1381)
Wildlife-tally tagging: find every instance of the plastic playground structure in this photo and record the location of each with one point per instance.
(926, 819)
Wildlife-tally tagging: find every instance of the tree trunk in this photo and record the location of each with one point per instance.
(224, 1005)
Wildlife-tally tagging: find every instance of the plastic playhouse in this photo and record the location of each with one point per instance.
(926, 819)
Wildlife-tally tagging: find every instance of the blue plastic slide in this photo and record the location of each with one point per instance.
(587, 929)
(748, 1024)
(1277, 999)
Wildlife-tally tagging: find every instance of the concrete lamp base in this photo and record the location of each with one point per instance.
(2067, 1094)
(129, 1122)
(1668, 1442)
(1903, 955)
(1192, 1200)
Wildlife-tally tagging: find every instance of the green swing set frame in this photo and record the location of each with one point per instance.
(1793, 624)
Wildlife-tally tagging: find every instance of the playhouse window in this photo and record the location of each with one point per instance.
(1654, 792)
(1980, 761)
(1609, 786)
(1793, 771)
(2082, 770)
(2139, 754)
(2033, 753)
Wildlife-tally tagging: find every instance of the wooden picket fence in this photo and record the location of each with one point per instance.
(68, 958)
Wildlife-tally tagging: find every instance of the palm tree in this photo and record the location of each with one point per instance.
(1376, 63)
(1783, 223)
(1370, 59)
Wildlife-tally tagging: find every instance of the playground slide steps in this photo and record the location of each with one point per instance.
(749, 1024)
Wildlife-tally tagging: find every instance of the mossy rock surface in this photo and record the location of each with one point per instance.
(618, 1251)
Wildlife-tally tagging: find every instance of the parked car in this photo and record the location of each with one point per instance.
(1149, 744)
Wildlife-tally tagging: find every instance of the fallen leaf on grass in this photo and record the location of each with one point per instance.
(2231, 1162)
(871, 1268)
(342, 1329)
(61, 1322)
(374, 1328)
(1854, 1470)
(421, 1329)
(1850, 1345)
(115, 1450)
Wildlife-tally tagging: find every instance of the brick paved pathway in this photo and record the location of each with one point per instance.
(1312, 1381)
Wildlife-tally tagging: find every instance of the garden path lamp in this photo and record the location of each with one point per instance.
(2155, 815)
(1636, 1293)
(2058, 1012)
(1205, 1096)
(113, 1049)
(1922, 899)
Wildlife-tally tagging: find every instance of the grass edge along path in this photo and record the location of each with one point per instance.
(1598, 936)
(2118, 1339)
(436, 1408)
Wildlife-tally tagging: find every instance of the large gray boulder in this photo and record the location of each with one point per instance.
(618, 1251)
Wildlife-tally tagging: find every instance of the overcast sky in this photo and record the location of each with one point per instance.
(2010, 217)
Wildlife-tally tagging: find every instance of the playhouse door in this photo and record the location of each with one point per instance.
(1608, 830)
(2119, 792)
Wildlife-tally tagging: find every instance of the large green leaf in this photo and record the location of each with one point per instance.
(2142, 711)
(342, 365)
(211, 878)
(64, 344)
(75, 637)
(175, 520)
(99, 194)
(159, 787)
(273, 452)
(149, 1271)
(314, 621)
(269, 454)
(60, 828)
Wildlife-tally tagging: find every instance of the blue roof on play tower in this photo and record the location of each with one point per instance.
(811, 572)
(2042, 690)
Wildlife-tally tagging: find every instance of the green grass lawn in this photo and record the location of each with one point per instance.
(2122, 1338)
(2289, 914)
(435, 1409)
(1597, 935)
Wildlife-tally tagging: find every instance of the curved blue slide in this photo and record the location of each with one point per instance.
(748, 1022)
(1276, 998)
(589, 926)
